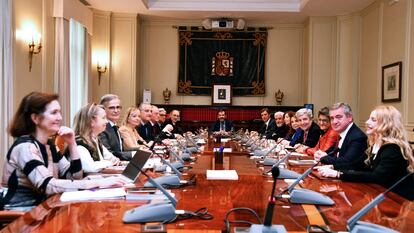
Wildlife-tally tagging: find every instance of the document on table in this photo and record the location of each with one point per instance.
(225, 150)
(222, 175)
(302, 162)
(93, 194)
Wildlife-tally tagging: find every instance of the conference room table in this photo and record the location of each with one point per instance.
(252, 190)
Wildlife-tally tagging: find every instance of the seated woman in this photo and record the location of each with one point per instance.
(328, 137)
(297, 131)
(390, 156)
(90, 121)
(34, 168)
(286, 117)
(129, 134)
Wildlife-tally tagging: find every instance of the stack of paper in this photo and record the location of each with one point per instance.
(92, 194)
(302, 162)
(222, 175)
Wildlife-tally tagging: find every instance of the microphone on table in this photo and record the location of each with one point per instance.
(267, 225)
(285, 173)
(157, 212)
(177, 165)
(305, 196)
(354, 226)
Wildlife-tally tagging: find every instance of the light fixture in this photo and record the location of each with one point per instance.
(33, 49)
(100, 58)
(29, 34)
(101, 70)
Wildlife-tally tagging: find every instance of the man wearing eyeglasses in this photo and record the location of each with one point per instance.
(161, 116)
(155, 117)
(176, 132)
(111, 138)
(145, 129)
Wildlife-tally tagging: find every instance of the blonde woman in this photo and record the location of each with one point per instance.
(129, 134)
(389, 154)
(90, 121)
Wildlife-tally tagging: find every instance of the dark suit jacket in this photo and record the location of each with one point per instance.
(146, 131)
(352, 153)
(216, 126)
(176, 129)
(313, 136)
(156, 129)
(110, 140)
(386, 169)
(280, 132)
(270, 129)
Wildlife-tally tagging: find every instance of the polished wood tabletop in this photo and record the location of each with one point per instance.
(252, 190)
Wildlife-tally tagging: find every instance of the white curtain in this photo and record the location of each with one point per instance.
(78, 60)
(6, 75)
(61, 71)
(71, 67)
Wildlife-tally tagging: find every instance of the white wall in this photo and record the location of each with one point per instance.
(387, 37)
(116, 36)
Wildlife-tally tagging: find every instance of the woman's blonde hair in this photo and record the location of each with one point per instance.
(128, 114)
(390, 129)
(83, 122)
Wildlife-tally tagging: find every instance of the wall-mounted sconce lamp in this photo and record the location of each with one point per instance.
(33, 49)
(101, 70)
(100, 58)
(29, 34)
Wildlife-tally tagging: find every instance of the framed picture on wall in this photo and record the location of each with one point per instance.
(391, 82)
(221, 94)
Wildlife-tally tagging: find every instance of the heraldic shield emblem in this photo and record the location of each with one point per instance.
(222, 64)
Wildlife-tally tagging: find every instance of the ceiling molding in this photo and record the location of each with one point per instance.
(226, 5)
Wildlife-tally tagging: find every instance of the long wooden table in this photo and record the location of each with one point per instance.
(251, 190)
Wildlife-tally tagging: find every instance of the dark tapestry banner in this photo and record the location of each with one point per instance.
(222, 57)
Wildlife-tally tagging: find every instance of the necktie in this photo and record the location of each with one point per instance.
(221, 125)
(305, 136)
(119, 136)
(337, 147)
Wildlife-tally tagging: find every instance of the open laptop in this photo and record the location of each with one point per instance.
(134, 167)
(132, 170)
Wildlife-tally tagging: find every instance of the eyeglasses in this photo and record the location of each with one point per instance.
(323, 120)
(162, 114)
(112, 108)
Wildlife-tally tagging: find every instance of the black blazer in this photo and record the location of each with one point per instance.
(386, 169)
(110, 140)
(280, 132)
(176, 129)
(312, 139)
(352, 153)
(216, 126)
(270, 129)
(146, 131)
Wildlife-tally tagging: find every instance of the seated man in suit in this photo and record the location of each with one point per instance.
(111, 138)
(155, 117)
(162, 114)
(176, 132)
(281, 129)
(350, 151)
(145, 129)
(269, 125)
(221, 126)
(310, 130)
